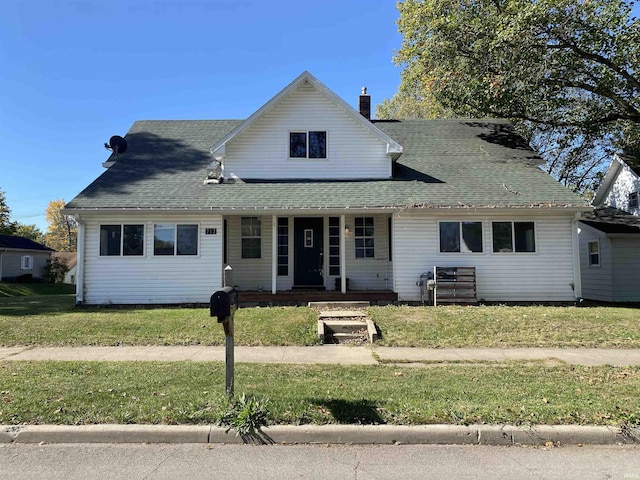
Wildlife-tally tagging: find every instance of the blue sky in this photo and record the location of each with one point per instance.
(74, 73)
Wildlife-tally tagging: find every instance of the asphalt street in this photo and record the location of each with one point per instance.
(231, 462)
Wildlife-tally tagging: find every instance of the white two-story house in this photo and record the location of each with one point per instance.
(309, 195)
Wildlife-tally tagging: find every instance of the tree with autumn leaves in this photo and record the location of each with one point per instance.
(62, 232)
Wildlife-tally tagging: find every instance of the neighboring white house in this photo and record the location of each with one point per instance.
(610, 238)
(22, 259)
(310, 194)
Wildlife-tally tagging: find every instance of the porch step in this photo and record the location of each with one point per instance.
(340, 304)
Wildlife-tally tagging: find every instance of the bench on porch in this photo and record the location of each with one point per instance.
(455, 285)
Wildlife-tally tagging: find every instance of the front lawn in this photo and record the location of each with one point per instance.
(52, 320)
(192, 393)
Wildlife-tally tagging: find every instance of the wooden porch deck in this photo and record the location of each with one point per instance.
(303, 297)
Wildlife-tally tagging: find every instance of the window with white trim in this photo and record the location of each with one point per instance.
(594, 253)
(311, 144)
(26, 262)
(633, 200)
(175, 239)
(364, 237)
(251, 237)
(461, 237)
(121, 240)
(516, 237)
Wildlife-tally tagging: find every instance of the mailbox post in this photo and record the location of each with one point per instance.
(223, 305)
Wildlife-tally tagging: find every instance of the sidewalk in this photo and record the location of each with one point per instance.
(326, 354)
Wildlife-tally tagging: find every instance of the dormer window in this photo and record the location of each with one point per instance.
(633, 200)
(312, 144)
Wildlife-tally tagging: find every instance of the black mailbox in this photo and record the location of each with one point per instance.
(224, 303)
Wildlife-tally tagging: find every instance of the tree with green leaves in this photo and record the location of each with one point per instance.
(7, 227)
(62, 232)
(565, 71)
(32, 232)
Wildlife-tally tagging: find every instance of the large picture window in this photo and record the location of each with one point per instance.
(125, 240)
(513, 237)
(461, 237)
(364, 237)
(308, 144)
(171, 239)
(251, 233)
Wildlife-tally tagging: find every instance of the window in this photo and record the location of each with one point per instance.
(283, 246)
(171, 239)
(364, 237)
(308, 144)
(251, 237)
(594, 254)
(26, 262)
(513, 237)
(465, 237)
(633, 200)
(117, 240)
(334, 245)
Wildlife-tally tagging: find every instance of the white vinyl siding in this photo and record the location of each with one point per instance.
(626, 268)
(618, 196)
(262, 150)
(149, 279)
(597, 282)
(249, 273)
(543, 275)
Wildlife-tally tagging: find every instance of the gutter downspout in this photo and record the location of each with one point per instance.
(577, 274)
(80, 262)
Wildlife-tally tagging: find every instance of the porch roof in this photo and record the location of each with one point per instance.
(445, 164)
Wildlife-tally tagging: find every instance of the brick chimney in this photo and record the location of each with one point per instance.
(364, 104)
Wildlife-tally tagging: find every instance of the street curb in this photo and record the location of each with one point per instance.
(320, 434)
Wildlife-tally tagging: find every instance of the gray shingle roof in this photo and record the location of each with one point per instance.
(21, 243)
(612, 220)
(446, 163)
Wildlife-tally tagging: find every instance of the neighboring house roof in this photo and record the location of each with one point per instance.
(445, 164)
(611, 220)
(21, 243)
(70, 259)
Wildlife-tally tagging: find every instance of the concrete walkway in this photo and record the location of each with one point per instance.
(327, 354)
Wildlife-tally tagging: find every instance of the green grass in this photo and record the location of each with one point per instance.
(508, 326)
(28, 289)
(192, 393)
(52, 320)
(56, 322)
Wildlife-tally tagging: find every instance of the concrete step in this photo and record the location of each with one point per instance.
(344, 326)
(353, 304)
(346, 314)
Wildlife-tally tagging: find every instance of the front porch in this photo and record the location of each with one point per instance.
(303, 297)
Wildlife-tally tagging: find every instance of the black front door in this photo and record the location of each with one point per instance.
(308, 259)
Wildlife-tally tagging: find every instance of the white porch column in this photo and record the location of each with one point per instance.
(80, 261)
(274, 253)
(343, 257)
